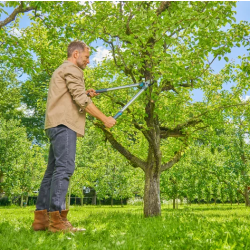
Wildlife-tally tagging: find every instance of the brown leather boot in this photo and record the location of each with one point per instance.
(64, 214)
(41, 221)
(56, 224)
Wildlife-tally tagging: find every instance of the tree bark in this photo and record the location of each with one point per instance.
(152, 202)
(246, 195)
(94, 198)
(173, 202)
(81, 199)
(1, 181)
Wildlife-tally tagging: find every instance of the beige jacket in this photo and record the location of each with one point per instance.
(67, 99)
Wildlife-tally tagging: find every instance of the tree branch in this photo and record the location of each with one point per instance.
(135, 161)
(163, 6)
(176, 132)
(128, 31)
(166, 87)
(176, 158)
(13, 15)
(171, 163)
(136, 125)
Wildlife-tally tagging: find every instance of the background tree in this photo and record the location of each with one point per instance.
(25, 175)
(21, 164)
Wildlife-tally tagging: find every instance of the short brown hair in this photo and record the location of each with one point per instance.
(76, 45)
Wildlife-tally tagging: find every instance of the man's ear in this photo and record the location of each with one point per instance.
(75, 53)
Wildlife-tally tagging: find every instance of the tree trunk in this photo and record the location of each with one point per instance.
(21, 201)
(246, 195)
(81, 199)
(121, 202)
(1, 181)
(26, 200)
(152, 202)
(94, 199)
(173, 202)
(112, 201)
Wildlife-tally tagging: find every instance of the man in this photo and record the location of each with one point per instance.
(66, 109)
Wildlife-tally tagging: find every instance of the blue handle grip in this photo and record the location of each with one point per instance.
(99, 91)
(117, 115)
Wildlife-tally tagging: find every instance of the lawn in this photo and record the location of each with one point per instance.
(189, 227)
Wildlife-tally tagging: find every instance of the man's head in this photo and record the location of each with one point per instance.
(78, 53)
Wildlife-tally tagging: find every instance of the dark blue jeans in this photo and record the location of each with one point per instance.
(61, 165)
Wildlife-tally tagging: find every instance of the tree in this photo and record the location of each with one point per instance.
(237, 148)
(168, 43)
(222, 161)
(24, 177)
(21, 163)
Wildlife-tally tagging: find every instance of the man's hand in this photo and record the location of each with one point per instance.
(91, 93)
(109, 122)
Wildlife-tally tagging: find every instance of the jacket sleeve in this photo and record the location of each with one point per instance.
(75, 84)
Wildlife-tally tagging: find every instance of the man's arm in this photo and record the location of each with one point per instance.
(74, 82)
(109, 122)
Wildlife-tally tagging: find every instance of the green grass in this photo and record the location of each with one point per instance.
(196, 227)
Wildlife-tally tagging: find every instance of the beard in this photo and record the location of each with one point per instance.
(80, 64)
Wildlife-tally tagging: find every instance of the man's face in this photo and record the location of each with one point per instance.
(83, 58)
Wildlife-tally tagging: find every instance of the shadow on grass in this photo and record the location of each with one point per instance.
(202, 208)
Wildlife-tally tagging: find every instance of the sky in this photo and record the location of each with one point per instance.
(242, 9)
